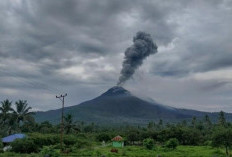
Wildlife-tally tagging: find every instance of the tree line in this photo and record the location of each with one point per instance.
(19, 118)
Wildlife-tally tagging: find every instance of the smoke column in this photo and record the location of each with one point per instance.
(134, 55)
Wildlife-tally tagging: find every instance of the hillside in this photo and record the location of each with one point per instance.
(119, 106)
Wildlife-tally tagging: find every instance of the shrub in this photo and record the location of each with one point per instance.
(24, 146)
(49, 151)
(172, 143)
(148, 143)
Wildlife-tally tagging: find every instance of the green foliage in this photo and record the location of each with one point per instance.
(82, 143)
(103, 137)
(208, 143)
(46, 127)
(10, 119)
(22, 113)
(172, 143)
(69, 140)
(1, 146)
(69, 124)
(190, 137)
(24, 146)
(49, 151)
(44, 139)
(148, 143)
(223, 137)
(132, 136)
(222, 119)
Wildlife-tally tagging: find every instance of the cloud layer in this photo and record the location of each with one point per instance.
(76, 46)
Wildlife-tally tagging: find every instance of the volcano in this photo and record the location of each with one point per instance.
(119, 106)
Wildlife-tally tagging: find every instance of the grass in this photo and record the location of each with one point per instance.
(137, 151)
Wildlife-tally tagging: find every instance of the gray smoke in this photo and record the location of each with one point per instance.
(134, 55)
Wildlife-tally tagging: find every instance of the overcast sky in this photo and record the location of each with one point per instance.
(50, 47)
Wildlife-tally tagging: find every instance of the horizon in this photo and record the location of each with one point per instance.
(77, 47)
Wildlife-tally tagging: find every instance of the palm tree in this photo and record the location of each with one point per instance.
(22, 112)
(5, 110)
(69, 125)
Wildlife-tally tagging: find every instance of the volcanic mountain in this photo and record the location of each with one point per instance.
(119, 106)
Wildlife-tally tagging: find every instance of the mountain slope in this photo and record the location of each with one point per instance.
(119, 106)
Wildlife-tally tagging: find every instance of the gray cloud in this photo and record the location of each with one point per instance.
(76, 46)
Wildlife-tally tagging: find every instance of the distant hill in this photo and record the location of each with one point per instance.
(119, 106)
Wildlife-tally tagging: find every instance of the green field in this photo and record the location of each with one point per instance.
(138, 151)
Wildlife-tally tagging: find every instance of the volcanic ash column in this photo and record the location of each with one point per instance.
(134, 55)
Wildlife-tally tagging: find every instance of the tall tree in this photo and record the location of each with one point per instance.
(223, 137)
(150, 125)
(207, 121)
(222, 119)
(69, 125)
(194, 122)
(5, 110)
(22, 113)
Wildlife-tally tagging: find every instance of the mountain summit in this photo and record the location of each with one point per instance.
(116, 91)
(118, 106)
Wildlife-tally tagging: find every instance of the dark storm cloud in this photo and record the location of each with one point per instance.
(32, 26)
(34, 31)
(203, 43)
(68, 45)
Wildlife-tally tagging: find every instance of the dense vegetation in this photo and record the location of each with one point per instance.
(199, 137)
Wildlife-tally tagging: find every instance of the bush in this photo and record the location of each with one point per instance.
(50, 151)
(172, 143)
(148, 143)
(24, 146)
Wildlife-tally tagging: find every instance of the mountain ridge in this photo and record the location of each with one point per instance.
(119, 106)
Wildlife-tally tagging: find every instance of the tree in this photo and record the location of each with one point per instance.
(148, 143)
(45, 127)
(103, 137)
(207, 121)
(222, 119)
(5, 110)
(69, 125)
(184, 123)
(223, 137)
(190, 136)
(160, 125)
(194, 121)
(132, 136)
(150, 125)
(22, 113)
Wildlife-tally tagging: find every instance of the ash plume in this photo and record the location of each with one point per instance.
(134, 55)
